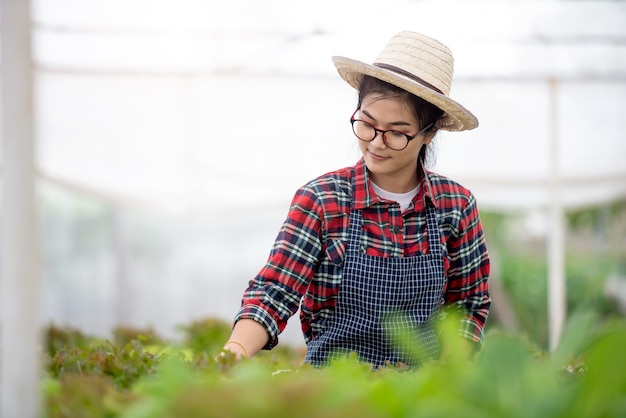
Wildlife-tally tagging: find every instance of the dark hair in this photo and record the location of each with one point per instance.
(423, 111)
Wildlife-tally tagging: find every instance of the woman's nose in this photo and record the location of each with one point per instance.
(379, 140)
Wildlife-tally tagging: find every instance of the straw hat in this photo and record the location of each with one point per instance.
(419, 65)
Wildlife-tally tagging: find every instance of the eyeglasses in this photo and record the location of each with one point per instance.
(395, 140)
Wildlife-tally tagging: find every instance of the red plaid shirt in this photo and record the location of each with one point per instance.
(305, 265)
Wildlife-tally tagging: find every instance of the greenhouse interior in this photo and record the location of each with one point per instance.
(150, 153)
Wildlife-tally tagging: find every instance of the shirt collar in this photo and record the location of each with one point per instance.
(365, 196)
(363, 193)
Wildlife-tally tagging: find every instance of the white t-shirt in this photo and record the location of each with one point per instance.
(403, 199)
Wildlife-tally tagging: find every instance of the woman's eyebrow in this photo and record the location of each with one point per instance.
(398, 123)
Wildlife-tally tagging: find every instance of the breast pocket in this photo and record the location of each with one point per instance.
(336, 251)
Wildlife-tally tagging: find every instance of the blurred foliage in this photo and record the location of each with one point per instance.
(206, 335)
(595, 251)
(56, 338)
(123, 335)
(510, 377)
(597, 216)
(75, 395)
(123, 364)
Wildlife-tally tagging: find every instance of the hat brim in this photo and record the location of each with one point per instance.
(456, 117)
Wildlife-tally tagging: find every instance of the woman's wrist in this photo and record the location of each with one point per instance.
(236, 348)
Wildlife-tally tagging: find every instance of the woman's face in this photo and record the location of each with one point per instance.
(394, 171)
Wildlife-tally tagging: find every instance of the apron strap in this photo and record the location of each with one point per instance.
(432, 228)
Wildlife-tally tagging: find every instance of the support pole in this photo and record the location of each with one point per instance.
(556, 232)
(19, 283)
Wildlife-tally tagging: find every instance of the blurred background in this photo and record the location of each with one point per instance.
(171, 136)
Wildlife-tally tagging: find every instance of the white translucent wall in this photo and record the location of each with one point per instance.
(196, 120)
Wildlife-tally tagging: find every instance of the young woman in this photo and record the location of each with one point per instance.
(372, 253)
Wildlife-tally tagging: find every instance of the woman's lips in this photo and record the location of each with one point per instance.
(377, 157)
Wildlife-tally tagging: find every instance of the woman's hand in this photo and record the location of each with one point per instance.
(238, 349)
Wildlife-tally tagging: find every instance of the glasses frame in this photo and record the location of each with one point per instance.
(383, 133)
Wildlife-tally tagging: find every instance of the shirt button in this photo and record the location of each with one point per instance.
(396, 229)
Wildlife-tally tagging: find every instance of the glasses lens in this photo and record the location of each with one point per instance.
(396, 140)
(366, 132)
(363, 130)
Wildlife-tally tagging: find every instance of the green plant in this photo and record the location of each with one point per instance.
(56, 338)
(512, 377)
(207, 335)
(124, 365)
(123, 335)
(84, 396)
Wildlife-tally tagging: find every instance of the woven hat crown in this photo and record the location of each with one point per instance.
(419, 57)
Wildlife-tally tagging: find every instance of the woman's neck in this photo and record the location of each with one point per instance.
(395, 184)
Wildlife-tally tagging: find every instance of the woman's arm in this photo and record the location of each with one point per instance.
(273, 296)
(468, 286)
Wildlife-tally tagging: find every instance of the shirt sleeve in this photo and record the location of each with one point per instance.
(468, 287)
(274, 295)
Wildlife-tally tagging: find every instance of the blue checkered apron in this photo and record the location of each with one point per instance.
(386, 306)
